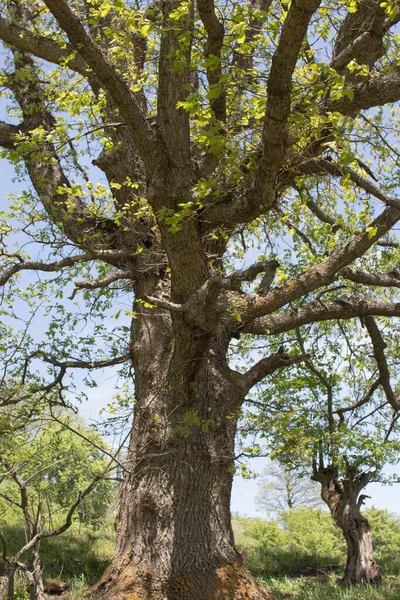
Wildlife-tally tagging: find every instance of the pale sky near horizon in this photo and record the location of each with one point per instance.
(244, 490)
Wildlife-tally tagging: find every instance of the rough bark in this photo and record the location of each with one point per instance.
(174, 535)
(36, 585)
(11, 572)
(3, 587)
(343, 500)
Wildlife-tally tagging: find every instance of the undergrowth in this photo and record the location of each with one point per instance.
(310, 589)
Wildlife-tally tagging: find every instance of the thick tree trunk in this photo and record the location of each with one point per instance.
(174, 535)
(341, 497)
(361, 566)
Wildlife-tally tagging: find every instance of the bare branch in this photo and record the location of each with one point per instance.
(314, 208)
(366, 398)
(66, 525)
(46, 468)
(58, 265)
(267, 366)
(236, 278)
(165, 304)
(376, 279)
(379, 346)
(89, 441)
(41, 47)
(94, 284)
(23, 492)
(394, 419)
(81, 364)
(321, 166)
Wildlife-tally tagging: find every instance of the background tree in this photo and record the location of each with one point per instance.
(283, 488)
(334, 414)
(210, 127)
(48, 475)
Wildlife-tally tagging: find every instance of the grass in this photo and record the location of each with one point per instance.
(79, 557)
(79, 554)
(311, 589)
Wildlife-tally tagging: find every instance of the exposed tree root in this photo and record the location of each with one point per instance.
(133, 582)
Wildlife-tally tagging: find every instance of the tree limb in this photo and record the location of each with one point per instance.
(360, 36)
(215, 39)
(376, 279)
(278, 95)
(316, 311)
(364, 400)
(7, 134)
(127, 104)
(173, 121)
(66, 525)
(58, 265)
(376, 91)
(379, 345)
(321, 274)
(42, 47)
(45, 168)
(81, 364)
(94, 284)
(267, 366)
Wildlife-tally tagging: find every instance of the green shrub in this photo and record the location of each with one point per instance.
(82, 551)
(299, 539)
(385, 529)
(304, 539)
(311, 589)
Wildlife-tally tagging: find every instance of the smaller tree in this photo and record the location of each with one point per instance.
(282, 488)
(48, 475)
(338, 420)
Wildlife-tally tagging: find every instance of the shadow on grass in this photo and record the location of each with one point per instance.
(314, 589)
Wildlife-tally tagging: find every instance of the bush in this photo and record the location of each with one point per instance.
(303, 540)
(385, 529)
(299, 539)
(80, 552)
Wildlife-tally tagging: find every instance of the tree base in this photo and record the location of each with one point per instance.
(134, 582)
(372, 577)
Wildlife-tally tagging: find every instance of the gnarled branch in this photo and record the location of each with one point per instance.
(267, 366)
(379, 345)
(31, 265)
(42, 47)
(317, 311)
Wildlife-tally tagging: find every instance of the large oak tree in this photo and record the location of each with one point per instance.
(212, 124)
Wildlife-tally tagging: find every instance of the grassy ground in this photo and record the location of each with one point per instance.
(311, 589)
(79, 557)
